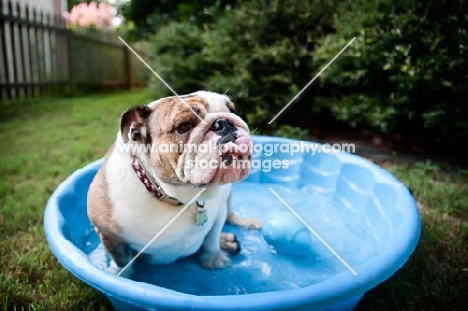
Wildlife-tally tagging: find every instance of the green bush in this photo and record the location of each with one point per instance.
(176, 53)
(407, 70)
(143, 17)
(259, 53)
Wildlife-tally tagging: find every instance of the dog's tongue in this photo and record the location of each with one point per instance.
(242, 140)
(240, 146)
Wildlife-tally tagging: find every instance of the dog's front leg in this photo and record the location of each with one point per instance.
(212, 256)
(120, 253)
(233, 219)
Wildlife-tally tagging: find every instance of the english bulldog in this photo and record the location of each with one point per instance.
(168, 178)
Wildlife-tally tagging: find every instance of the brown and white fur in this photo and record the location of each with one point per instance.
(126, 216)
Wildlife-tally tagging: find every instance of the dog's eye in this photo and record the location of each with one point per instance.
(184, 127)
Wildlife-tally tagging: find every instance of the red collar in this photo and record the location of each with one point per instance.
(150, 184)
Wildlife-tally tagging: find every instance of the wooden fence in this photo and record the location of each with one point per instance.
(40, 56)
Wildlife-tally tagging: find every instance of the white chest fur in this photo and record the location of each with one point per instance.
(141, 216)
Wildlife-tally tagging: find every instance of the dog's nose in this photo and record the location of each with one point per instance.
(222, 124)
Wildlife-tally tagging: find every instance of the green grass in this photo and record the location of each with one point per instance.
(43, 141)
(436, 275)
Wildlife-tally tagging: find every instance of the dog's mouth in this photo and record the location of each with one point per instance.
(236, 150)
(234, 155)
(225, 159)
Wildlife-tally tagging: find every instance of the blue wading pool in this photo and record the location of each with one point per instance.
(365, 226)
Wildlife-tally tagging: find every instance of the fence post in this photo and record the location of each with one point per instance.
(3, 41)
(71, 62)
(128, 67)
(21, 34)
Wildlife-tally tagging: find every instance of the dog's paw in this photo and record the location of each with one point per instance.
(229, 243)
(253, 223)
(215, 261)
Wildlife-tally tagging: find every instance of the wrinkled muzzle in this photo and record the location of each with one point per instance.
(218, 152)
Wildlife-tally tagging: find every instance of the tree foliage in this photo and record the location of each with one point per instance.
(259, 53)
(72, 3)
(144, 17)
(407, 70)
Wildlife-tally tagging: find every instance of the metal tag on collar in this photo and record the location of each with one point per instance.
(201, 216)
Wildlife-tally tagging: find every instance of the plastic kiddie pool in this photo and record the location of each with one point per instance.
(360, 211)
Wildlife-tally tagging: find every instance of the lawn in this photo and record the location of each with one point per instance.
(43, 141)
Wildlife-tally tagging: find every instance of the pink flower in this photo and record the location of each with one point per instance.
(98, 15)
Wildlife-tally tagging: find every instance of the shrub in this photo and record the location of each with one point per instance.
(176, 53)
(143, 17)
(406, 70)
(259, 53)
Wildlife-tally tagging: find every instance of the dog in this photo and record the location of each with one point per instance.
(166, 154)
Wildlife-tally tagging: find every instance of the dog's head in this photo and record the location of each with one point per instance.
(196, 139)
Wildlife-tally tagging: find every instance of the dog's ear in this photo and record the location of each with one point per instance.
(133, 124)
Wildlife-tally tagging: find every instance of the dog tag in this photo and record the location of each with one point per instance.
(201, 217)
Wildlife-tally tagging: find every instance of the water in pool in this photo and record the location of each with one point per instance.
(259, 267)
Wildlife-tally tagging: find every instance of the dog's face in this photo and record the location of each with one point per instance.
(198, 141)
